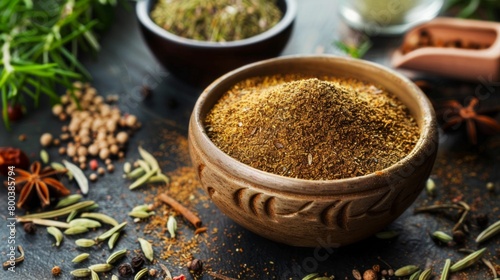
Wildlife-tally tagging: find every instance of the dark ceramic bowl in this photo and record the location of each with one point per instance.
(200, 62)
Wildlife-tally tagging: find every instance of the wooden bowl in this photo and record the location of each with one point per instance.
(201, 62)
(308, 212)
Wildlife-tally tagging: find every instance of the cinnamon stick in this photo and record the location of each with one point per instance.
(190, 216)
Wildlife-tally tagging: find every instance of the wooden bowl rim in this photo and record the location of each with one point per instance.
(426, 146)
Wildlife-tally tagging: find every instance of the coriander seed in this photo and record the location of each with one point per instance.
(46, 139)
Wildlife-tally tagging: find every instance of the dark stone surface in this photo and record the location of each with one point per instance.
(125, 64)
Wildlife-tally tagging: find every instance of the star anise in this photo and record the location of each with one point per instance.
(454, 114)
(38, 183)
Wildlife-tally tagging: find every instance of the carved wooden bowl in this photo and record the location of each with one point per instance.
(307, 212)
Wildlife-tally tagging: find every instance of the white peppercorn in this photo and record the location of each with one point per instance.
(122, 137)
(101, 171)
(82, 159)
(113, 149)
(110, 168)
(104, 153)
(71, 151)
(81, 151)
(57, 109)
(131, 120)
(93, 150)
(46, 139)
(93, 177)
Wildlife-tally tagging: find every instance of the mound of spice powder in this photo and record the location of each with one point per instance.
(310, 128)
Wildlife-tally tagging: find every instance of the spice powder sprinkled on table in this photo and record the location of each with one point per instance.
(310, 128)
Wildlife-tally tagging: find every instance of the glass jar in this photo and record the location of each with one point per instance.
(381, 17)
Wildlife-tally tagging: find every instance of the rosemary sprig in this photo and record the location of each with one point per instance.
(40, 41)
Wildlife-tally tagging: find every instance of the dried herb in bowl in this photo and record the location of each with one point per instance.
(309, 128)
(216, 20)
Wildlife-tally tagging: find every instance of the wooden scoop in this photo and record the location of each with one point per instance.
(457, 48)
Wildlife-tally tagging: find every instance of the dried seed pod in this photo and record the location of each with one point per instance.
(75, 230)
(84, 222)
(430, 187)
(101, 267)
(84, 242)
(141, 214)
(80, 258)
(147, 248)
(489, 232)
(442, 237)
(111, 231)
(426, 274)
(112, 240)
(141, 274)
(94, 275)
(69, 200)
(172, 226)
(116, 256)
(446, 270)
(468, 260)
(415, 275)
(100, 217)
(81, 272)
(56, 233)
(405, 270)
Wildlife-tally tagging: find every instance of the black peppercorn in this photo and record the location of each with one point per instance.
(125, 270)
(137, 262)
(482, 220)
(29, 228)
(459, 237)
(195, 266)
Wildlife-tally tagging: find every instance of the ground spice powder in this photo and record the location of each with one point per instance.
(312, 128)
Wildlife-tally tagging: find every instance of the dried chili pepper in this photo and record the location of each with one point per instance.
(10, 156)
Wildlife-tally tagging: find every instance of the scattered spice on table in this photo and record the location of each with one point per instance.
(216, 20)
(311, 128)
(96, 128)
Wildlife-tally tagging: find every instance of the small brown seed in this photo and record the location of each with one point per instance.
(57, 109)
(62, 150)
(93, 177)
(101, 171)
(137, 262)
(195, 265)
(56, 270)
(122, 137)
(125, 270)
(104, 153)
(110, 168)
(370, 274)
(29, 228)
